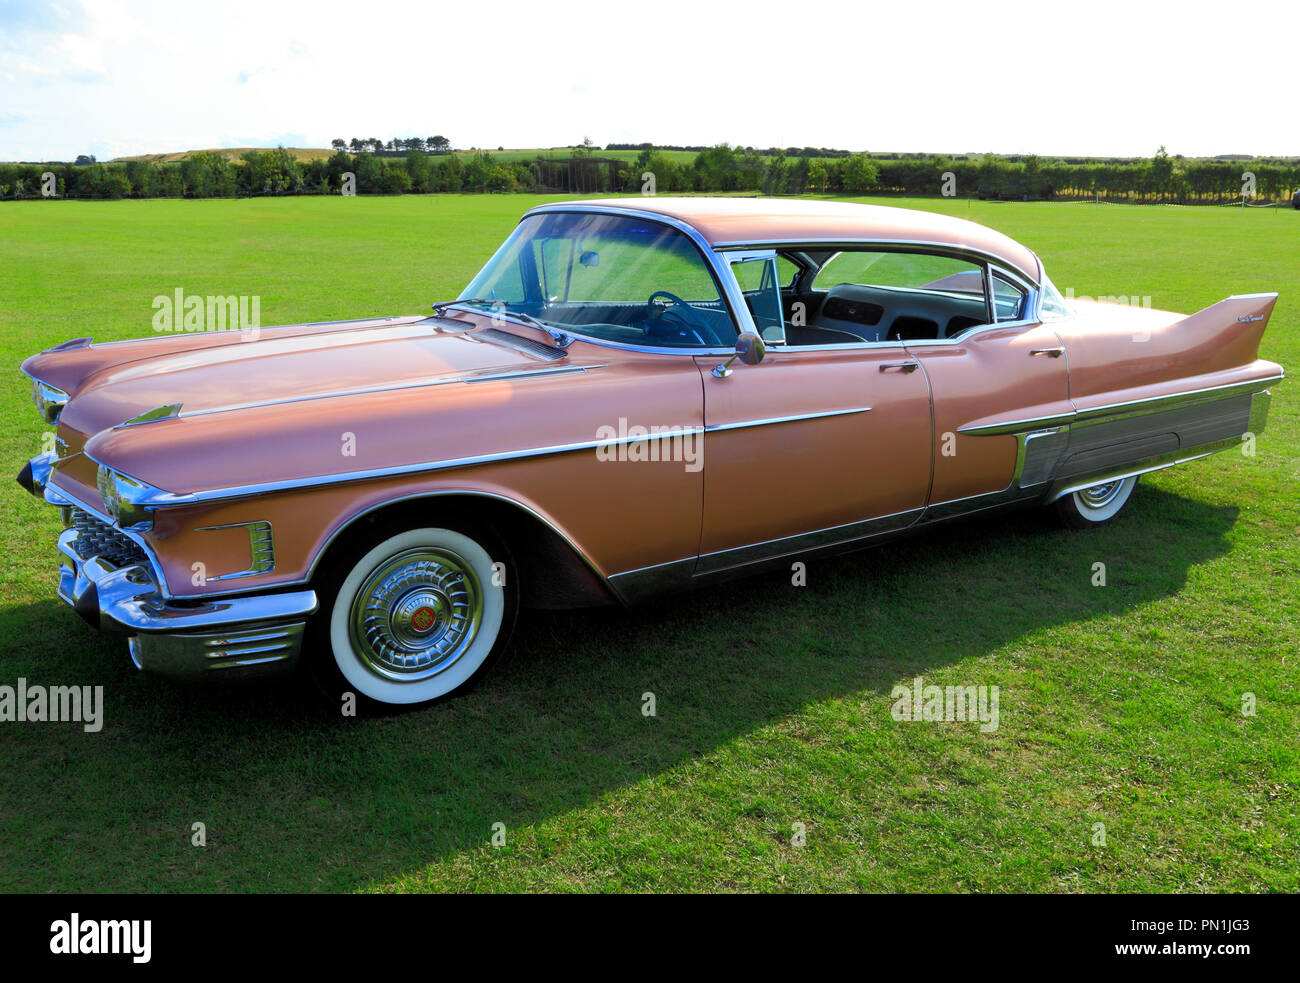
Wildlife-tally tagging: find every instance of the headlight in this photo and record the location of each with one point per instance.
(49, 401)
(107, 490)
(124, 499)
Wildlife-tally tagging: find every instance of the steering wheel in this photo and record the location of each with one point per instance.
(681, 312)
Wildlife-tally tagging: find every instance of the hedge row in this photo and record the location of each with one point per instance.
(722, 168)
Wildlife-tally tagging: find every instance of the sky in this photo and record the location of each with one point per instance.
(121, 77)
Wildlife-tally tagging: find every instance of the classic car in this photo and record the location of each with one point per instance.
(633, 396)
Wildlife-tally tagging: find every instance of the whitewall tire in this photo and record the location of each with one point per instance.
(418, 616)
(1093, 506)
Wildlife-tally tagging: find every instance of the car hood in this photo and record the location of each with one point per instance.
(280, 366)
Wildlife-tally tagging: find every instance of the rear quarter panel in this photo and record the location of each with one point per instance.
(1118, 353)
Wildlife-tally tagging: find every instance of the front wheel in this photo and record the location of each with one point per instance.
(1092, 506)
(422, 614)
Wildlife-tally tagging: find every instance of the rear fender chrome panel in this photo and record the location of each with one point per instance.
(1162, 440)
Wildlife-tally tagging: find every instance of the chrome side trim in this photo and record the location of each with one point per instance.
(166, 499)
(424, 467)
(1138, 407)
(1116, 411)
(953, 508)
(1019, 426)
(632, 586)
(804, 542)
(526, 373)
(371, 390)
(785, 419)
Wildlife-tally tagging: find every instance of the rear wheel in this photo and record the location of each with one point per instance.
(1093, 506)
(420, 615)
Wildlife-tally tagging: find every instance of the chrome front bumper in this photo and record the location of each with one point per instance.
(226, 637)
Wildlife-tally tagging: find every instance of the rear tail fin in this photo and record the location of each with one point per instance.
(1234, 327)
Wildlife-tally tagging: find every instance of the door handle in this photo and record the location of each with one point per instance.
(901, 366)
(1049, 352)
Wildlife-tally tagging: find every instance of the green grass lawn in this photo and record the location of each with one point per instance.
(1119, 705)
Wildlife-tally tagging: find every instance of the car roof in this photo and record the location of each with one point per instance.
(750, 221)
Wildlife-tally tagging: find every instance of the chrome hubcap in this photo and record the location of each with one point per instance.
(416, 614)
(1099, 496)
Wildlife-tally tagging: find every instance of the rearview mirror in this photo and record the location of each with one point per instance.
(749, 349)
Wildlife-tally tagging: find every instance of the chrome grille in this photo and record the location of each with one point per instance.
(97, 538)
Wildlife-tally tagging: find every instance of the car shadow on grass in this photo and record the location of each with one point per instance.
(293, 795)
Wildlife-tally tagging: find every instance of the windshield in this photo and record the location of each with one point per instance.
(613, 277)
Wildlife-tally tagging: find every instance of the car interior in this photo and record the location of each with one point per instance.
(851, 296)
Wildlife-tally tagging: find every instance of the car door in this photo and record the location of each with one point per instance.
(1001, 399)
(811, 447)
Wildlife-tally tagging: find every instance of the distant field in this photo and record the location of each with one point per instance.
(300, 154)
(320, 153)
(1120, 705)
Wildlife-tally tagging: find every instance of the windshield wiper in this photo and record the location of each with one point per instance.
(440, 307)
(561, 339)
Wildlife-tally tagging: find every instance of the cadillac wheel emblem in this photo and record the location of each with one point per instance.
(423, 619)
(416, 614)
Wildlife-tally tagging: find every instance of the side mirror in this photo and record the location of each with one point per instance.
(589, 258)
(749, 349)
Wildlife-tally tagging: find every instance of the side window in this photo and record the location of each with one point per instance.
(910, 271)
(895, 295)
(1008, 299)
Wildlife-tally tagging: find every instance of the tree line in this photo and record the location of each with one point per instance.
(432, 145)
(723, 168)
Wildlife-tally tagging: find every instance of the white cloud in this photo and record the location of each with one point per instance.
(153, 76)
